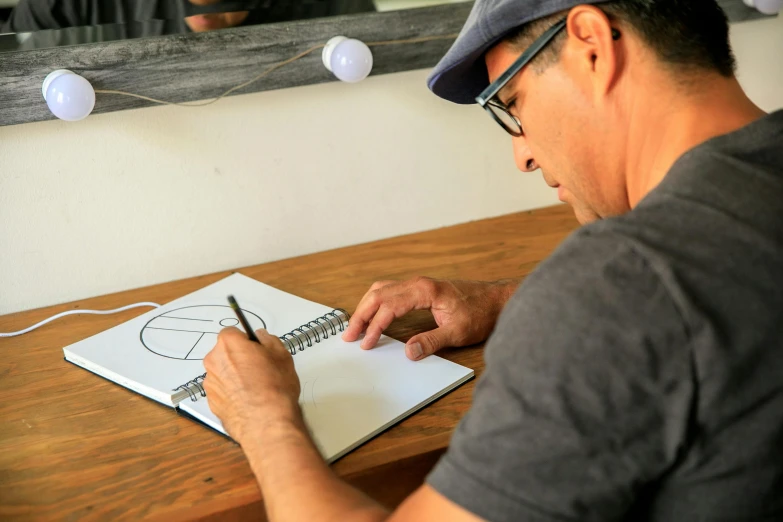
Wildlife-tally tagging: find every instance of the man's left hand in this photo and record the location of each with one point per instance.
(250, 386)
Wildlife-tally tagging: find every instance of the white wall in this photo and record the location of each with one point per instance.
(140, 197)
(130, 199)
(758, 46)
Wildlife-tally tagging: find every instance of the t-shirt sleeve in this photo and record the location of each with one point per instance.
(586, 396)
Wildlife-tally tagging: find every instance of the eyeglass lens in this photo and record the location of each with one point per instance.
(506, 120)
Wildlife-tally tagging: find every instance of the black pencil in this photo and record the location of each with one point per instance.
(242, 319)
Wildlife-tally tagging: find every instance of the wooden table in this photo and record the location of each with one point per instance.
(74, 446)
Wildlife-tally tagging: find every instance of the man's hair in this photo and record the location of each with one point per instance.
(687, 35)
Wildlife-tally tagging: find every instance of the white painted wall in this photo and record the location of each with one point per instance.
(130, 199)
(758, 46)
(140, 197)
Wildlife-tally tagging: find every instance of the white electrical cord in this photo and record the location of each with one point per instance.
(74, 312)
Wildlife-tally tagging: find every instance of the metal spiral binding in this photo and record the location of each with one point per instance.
(295, 341)
(314, 331)
(193, 388)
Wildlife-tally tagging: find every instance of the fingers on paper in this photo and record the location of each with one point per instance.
(384, 302)
(365, 311)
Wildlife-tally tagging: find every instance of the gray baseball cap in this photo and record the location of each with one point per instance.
(461, 75)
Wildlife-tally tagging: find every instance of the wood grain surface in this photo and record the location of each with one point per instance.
(74, 446)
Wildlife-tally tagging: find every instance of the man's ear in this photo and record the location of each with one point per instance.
(591, 51)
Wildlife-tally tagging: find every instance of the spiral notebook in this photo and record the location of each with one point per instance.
(348, 395)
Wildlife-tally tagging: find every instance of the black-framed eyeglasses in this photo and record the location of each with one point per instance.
(488, 97)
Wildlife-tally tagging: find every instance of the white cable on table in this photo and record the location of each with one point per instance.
(73, 312)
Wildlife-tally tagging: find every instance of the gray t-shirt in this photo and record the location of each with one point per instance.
(637, 374)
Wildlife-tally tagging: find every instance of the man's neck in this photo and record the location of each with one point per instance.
(663, 128)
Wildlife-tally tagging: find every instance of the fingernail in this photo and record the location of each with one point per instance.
(415, 350)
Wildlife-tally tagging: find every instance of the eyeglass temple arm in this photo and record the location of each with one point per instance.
(520, 62)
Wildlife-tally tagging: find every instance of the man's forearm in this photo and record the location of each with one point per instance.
(295, 481)
(505, 288)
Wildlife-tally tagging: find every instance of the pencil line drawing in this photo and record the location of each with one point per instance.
(190, 332)
(335, 389)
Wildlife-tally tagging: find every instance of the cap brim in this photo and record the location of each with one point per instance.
(461, 81)
(461, 74)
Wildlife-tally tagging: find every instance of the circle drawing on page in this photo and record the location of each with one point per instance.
(342, 391)
(190, 332)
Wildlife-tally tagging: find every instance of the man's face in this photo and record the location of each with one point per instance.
(211, 21)
(564, 134)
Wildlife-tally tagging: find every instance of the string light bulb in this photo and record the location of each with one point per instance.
(350, 60)
(69, 96)
(767, 7)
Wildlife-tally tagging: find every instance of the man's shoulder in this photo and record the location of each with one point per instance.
(601, 280)
(730, 181)
(610, 251)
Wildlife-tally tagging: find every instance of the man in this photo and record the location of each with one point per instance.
(637, 374)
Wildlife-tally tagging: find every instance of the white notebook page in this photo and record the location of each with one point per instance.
(348, 395)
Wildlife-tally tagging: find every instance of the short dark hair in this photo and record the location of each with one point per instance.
(685, 34)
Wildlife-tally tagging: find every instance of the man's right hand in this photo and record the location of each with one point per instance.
(465, 311)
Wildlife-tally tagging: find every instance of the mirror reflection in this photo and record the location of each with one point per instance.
(46, 23)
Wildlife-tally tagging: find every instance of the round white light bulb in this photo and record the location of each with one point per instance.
(69, 96)
(350, 60)
(767, 7)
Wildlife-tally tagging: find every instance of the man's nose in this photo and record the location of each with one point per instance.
(524, 158)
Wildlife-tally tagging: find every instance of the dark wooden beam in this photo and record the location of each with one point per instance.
(198, 66)
(737, 11)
